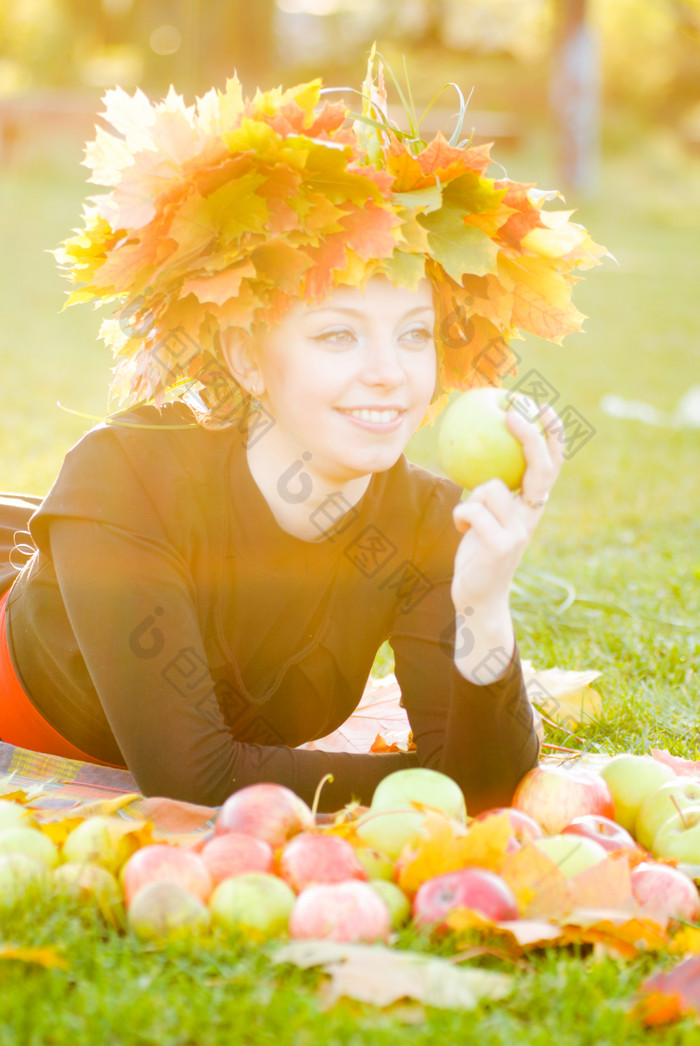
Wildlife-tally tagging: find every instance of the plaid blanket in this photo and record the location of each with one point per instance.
(55, 788)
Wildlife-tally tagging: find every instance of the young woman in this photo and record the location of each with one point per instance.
(213, 575)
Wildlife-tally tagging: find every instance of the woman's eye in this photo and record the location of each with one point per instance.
(335, 336)
(418, 335)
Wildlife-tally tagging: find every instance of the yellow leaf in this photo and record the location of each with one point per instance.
(446, 847)
(686, 941)
(47, 957)
(539, 887)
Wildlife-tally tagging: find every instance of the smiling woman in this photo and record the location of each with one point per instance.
(218, 563)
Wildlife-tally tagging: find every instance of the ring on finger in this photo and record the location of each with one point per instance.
(534, 502)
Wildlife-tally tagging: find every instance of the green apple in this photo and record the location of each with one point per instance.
(29, 841)
(376, 864)
(396, 813)
(108, 841)
(12, 813)
(256, 904)
(396, 901)
(571, 853)
(474, 443)
(90, 884)
(679, 837)
(165, 910)
(661, 805)
(20, 875)
(631, 778)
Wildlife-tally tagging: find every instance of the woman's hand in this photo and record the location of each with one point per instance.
(497, 526)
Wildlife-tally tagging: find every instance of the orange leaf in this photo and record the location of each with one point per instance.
(668, 995)
(518, 935)
(439, 851)
(540, 888)
(608, 883)
(619, 934)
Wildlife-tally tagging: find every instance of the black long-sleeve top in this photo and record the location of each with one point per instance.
(167, 623)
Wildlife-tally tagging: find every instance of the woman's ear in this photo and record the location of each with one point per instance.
(240, 358)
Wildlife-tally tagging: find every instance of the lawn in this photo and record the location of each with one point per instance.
(622, 530)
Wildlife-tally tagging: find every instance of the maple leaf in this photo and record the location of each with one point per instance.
(539, 887)
(615, 932)
(222, 286)
(458, 247)
(518, 935)
(382, 976)
(370, 232)
(446, 847)
(438, 155)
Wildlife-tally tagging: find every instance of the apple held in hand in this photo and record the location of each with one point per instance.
(665, 890)
(631, 779)
(663, 804)
(395, 816)
(572, 854)
(268, 811)
(474, 443)
(476, 888)
(348, 911)
(608, 833)
(554, 797)
(316, 858)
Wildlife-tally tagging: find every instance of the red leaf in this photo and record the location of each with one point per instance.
(668, 995)
(682, 767)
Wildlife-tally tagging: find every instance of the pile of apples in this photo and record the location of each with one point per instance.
(268, 869)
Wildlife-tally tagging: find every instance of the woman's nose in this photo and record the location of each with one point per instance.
(383, 364)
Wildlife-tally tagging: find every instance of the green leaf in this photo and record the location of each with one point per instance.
(459, 248)
(405, 269)
(429, 198)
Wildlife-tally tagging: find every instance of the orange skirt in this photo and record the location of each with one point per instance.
(21, 723)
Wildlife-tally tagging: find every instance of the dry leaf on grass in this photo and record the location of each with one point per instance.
(562, 695)
(382, 976)
(681, 767)
(670, 994)
(47, 957)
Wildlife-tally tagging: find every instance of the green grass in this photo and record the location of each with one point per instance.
(622, 529)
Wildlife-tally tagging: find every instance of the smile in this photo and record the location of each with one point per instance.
(375, 417)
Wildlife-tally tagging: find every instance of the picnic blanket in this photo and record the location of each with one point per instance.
(56, 788)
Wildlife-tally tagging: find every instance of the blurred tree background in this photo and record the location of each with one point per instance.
(645, 54)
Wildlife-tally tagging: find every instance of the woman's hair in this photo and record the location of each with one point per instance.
(223, 214)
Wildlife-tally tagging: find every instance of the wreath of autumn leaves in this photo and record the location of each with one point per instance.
(225, 213)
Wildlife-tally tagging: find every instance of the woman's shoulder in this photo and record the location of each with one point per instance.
(149, 463)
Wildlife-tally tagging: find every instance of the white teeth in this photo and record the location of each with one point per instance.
(375, 416)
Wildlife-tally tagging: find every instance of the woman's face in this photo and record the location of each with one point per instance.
(349, 380)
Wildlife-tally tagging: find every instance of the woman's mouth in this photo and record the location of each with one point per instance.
(374, 415)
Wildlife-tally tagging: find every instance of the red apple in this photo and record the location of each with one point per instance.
(665, 890)
(554, 796)
(347, 911)
(316, 858)
(523, 827)
(476, 888)
(236, 854)
(611, 835)
(159, 862)
(268, 811)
